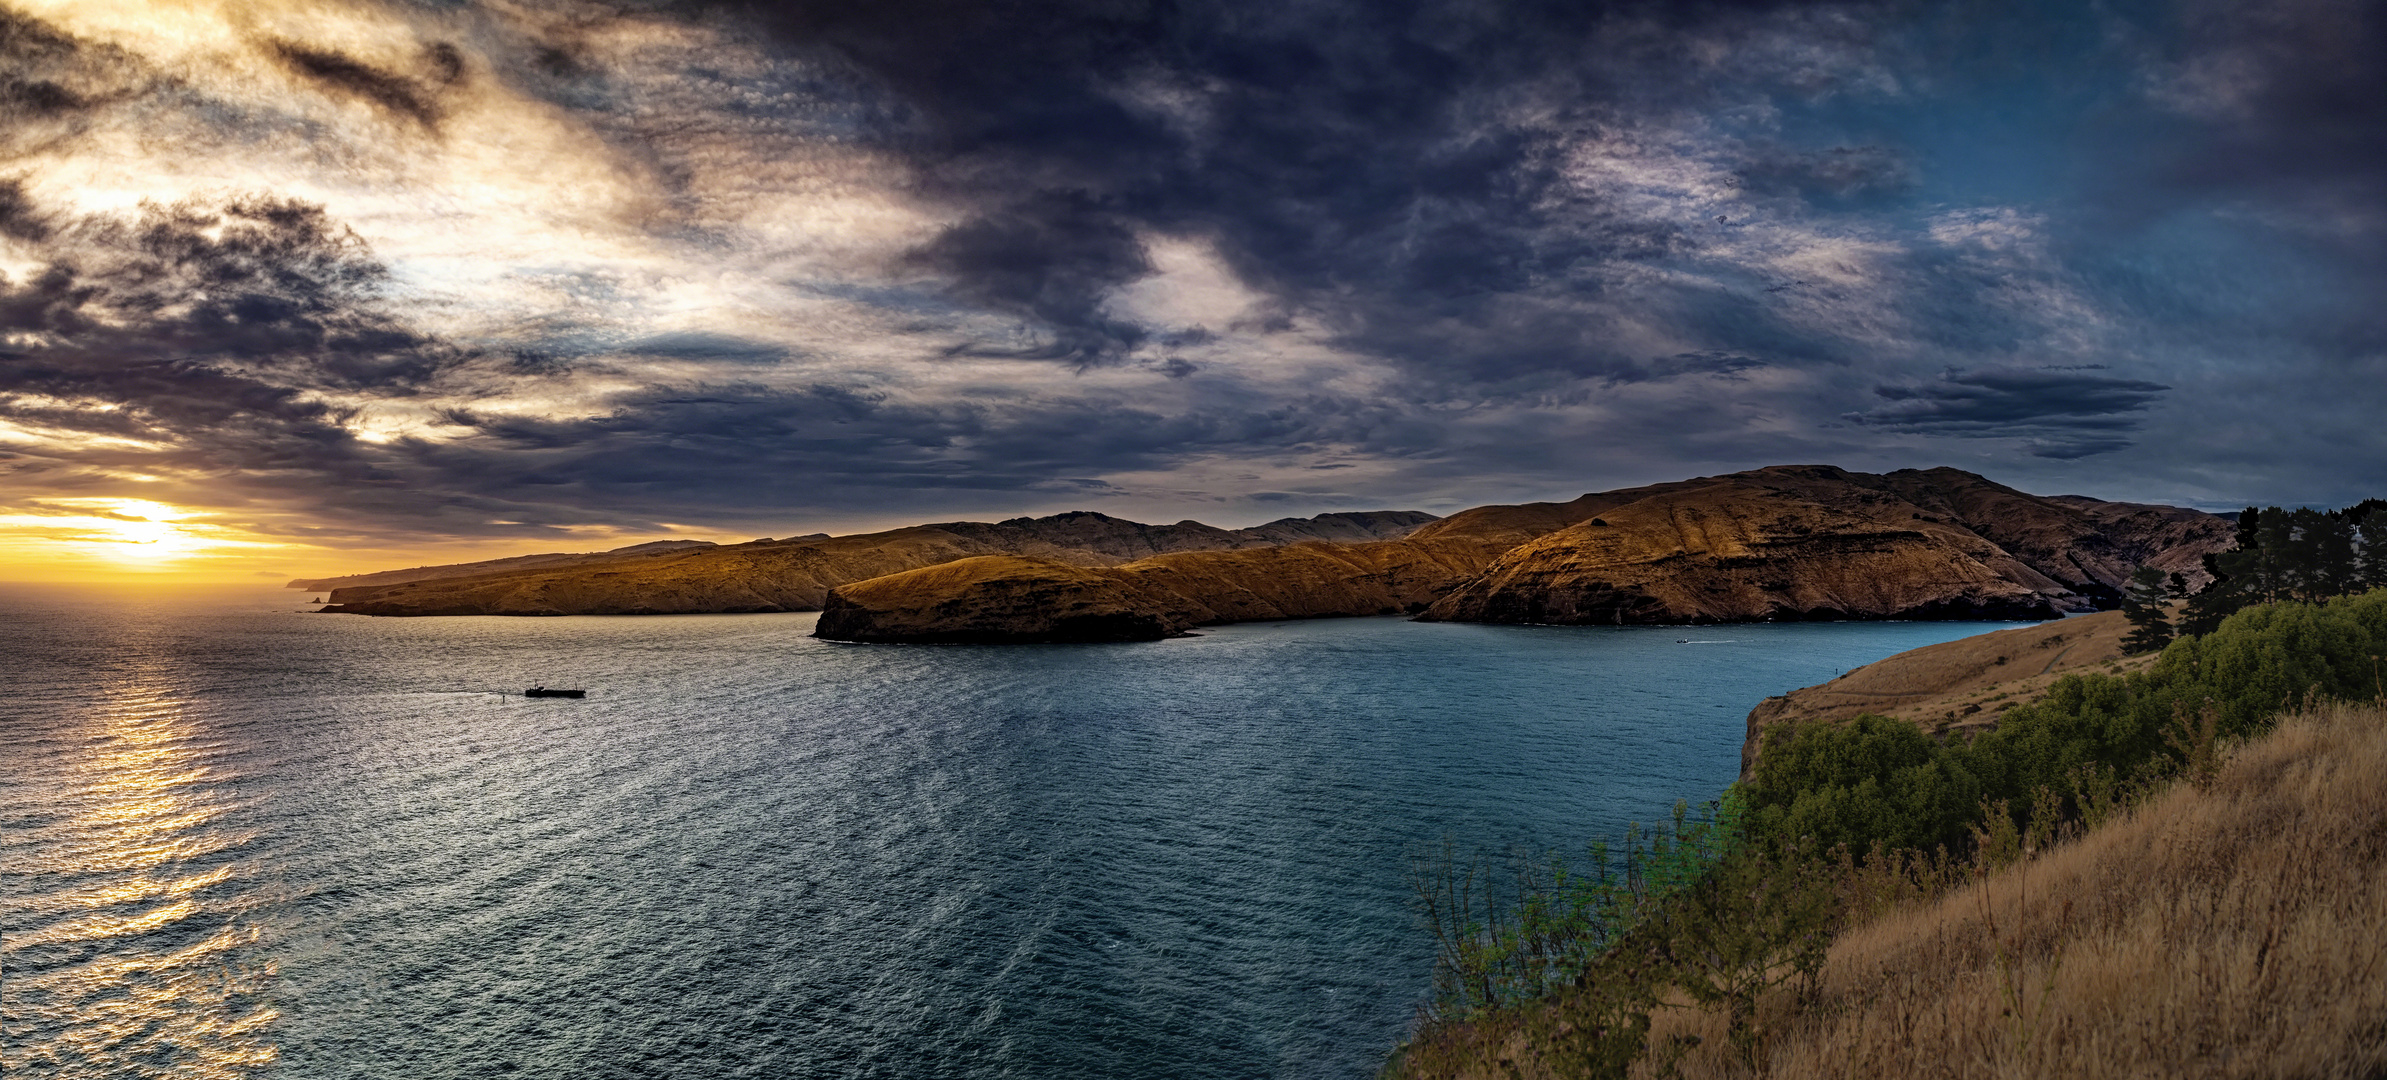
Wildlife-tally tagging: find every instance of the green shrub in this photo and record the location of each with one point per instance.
(1564, 966)
(1870, 779)
(1879, 781)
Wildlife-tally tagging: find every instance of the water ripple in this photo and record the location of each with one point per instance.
(240, 841)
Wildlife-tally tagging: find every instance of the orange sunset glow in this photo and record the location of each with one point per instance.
(120, 539)
(317, 288)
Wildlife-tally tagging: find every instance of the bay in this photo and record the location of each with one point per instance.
(238, 840)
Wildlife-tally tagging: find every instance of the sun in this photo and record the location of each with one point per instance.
(103, 538)
(126, 534)
(146, 529)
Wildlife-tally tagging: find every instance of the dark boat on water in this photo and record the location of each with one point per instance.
(541, 691)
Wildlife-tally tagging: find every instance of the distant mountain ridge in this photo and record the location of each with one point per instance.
(1087, 531)
(1815, 541)
(518, 562)
(796, 574)
(1784, 542)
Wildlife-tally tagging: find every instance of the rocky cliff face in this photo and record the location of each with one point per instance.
(1790, 543)
(1808, 542)
(998, 599)
(1311, 580)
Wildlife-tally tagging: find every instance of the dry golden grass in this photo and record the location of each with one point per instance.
(2239, 930)
(2236, 931)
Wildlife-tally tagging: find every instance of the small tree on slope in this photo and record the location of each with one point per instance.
(2143, 598)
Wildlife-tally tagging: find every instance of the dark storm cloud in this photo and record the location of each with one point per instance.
(1511, 241)
(691, 345)
(1360, 165)
(1681, 364)
(207, 333)
(233, 346)
(412, 97)
(1051, 259)
(18, 216)
(39, 62)
(821, 450)
(2065, 414)
(2290, 96)
(49, 82)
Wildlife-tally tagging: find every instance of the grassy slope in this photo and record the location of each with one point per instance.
(2234, 930)
(2239, 930)
(1958, 686)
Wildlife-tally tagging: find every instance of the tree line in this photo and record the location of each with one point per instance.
(2301, 554)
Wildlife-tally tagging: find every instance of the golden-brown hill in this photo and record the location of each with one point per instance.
(1788, 542)
(1782, 542)
(797, 574)
(1015, 599)
(1813, 541)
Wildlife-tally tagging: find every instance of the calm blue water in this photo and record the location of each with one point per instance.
(245, 841)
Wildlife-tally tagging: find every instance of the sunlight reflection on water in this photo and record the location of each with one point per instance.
(129, 951)
(237, 841)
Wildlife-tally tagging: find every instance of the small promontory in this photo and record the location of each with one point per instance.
(997, 600)
(1960, 686)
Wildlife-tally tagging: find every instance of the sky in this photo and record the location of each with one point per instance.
(320, 287)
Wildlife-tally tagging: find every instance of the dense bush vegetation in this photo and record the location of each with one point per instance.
(1837, 822)
(2293, 555)
(1881, 781)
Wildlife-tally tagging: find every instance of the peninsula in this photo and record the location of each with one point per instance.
(1784, 542)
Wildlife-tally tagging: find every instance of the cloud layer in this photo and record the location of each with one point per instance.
(391, 273)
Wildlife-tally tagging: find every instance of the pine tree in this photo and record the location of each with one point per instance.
(2330, 540)
(2369, 519)
(2234, 575)
(2143, 600)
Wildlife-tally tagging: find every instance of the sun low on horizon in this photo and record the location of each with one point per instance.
(330, 286)
(114, 540)
(105, 538)
(1192, 539)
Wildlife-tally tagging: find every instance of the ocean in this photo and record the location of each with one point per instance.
(239, 840)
